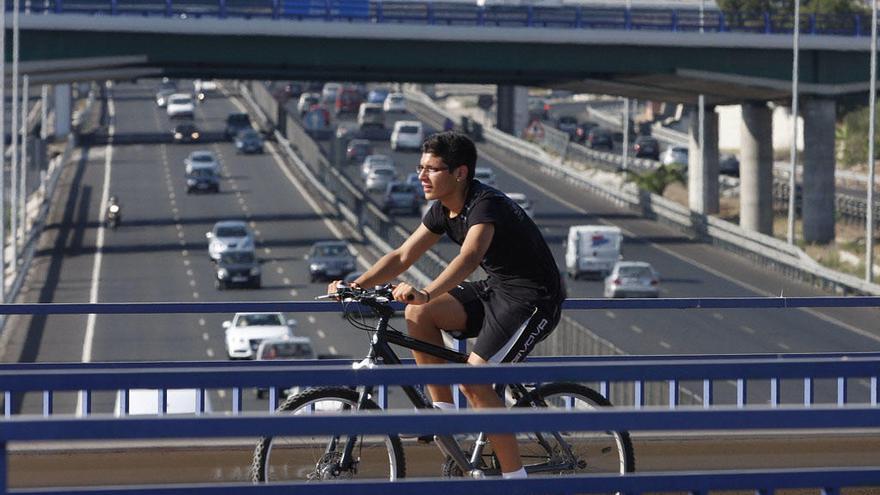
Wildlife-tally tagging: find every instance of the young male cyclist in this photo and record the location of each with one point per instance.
(513, 309)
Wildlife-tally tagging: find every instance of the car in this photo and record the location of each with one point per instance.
(229, 235)
(248, 141)
(284, 91)
(180, 106)
(401, 196)
(358, 150)
(647, 147)
(185, 132)
(675, 155)
(328, 93)
(237, 267)
(582, 131)
(162, 96)
(142, 401)
(330, 260)
(632, 279)
(413, 179)
(599, 138)
(371, 161)
(407, 134)
(317, 123)
(523, 201)
(379, 178)
(485, 175)
(201, 159)
(378, 95)
(202, 88)
(307, 101)
(348, 100)
(394, 103)
(235, 123)
(568, 124)
(292, 348)
(538, 108)
(202, 179)
(246, 331)
(371, 115)
(728, 165)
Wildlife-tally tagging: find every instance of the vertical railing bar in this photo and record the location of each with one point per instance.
(808, 391)
(87, 402)
(707, 393)
(604, 389)
(273, 398)
(639, 399)
(841, 391)
(873, 391)
(741, 392)
(383, 397)
(48, 402)
(774, 392)
(673, 394)
(7, 404)
(163, 401)
(236, 400)
(200, 401)
(122, 398)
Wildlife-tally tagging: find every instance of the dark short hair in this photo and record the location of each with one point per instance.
(454, 148)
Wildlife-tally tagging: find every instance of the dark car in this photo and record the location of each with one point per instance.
(235, 123)
(348, 100)
(248, 141)
(202, 179)
(185, 132)
(583, 130)
(599, 138)
(568, 125)
(728, 165)
(330, 260)
(357, 150)
(402, 196)
(647, 147)
(238, 268)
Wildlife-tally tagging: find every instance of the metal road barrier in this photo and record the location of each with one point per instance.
(842, 410)
(775, 253)
(470, 14)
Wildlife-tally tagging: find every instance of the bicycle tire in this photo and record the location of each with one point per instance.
(595, 452)
(278, 459)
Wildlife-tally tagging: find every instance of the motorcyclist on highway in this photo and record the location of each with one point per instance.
(114, 211)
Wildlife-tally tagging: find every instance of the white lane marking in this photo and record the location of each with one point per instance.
(202, 321)
(222, 393)
(718, 316)
(747, 329)
(195, 295)
(783, 346)
(257, 232)
(89, 337)
(279, 270)
(209, 352)
(179, 226)
(321, 334)
(684, 259)
(311, 319)
(181, 242)
(185, 262)
(610, 314)
(665, 345)
(267, 250)
(286, 281)
(293, 292)
(185, 252)
(171, 196)
(205, 336)
(189, 271)
(192, 283)
(175, 211)
(332, 350)
(241, 200)
(635, 328)
(254, 226)
(180, 234)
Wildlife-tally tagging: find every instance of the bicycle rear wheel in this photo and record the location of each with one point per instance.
(590, 451)
(316, 457)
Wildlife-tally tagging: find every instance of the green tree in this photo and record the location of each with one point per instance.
(657, 180)
(754, 8)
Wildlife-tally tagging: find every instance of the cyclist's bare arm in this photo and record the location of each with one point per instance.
(473, 249)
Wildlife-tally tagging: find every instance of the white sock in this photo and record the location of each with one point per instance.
(444, 405)
(519, 474)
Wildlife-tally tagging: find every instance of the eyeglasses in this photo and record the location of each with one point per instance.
(430, 170)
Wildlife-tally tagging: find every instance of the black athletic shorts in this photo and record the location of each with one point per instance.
(506, 330)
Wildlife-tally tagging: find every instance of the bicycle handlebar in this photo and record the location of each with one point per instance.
(379, 294)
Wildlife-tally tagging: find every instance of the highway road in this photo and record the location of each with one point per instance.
(159, 254)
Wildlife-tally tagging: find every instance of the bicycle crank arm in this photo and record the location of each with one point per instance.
(450, 447)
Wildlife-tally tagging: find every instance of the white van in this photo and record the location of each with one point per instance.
(407, 134)
(146, 401)
(592, 249)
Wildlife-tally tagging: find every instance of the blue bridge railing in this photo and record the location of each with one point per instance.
(470, 14)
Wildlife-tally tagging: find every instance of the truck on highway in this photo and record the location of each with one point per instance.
(592, 250)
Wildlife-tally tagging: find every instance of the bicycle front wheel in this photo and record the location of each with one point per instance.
(316, 457)
(584, 452)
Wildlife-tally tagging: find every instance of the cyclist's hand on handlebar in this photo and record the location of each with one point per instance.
(408, 294)
(333, 287)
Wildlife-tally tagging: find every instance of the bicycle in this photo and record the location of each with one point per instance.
(382, 457)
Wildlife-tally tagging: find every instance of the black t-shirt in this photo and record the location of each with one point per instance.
(518, 261)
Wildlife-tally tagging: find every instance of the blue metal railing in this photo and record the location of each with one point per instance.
(470, 14)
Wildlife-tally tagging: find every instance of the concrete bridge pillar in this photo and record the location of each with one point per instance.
(756, 168)
(512, 109)
(818, 177)
(703, 174)
(62, 106)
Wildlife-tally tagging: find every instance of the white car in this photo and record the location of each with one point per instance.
(202, 159)
(407, 134)
(380, 177)
(523, 201)
(632, 279)
(307, 101)
(372, 161)
(675, 155)
(485, 175)
(394, 102)
(204, 87)
(229, 235)
(246, 331)
(177, 401)
(180, 106)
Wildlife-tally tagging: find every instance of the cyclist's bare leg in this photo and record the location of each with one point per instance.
(425, 322)
(484, 396)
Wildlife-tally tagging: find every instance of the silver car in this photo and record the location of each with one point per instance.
(632, 279)
(229, 235)
(373, 160)
(380, 177)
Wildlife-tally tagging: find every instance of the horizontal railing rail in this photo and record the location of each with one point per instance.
(470, 13)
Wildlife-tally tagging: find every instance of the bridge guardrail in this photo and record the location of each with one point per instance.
(473, 14)
(788, 259)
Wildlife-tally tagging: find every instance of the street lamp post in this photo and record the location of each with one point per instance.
(794, 125)
(872, 107)
(3, 152)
